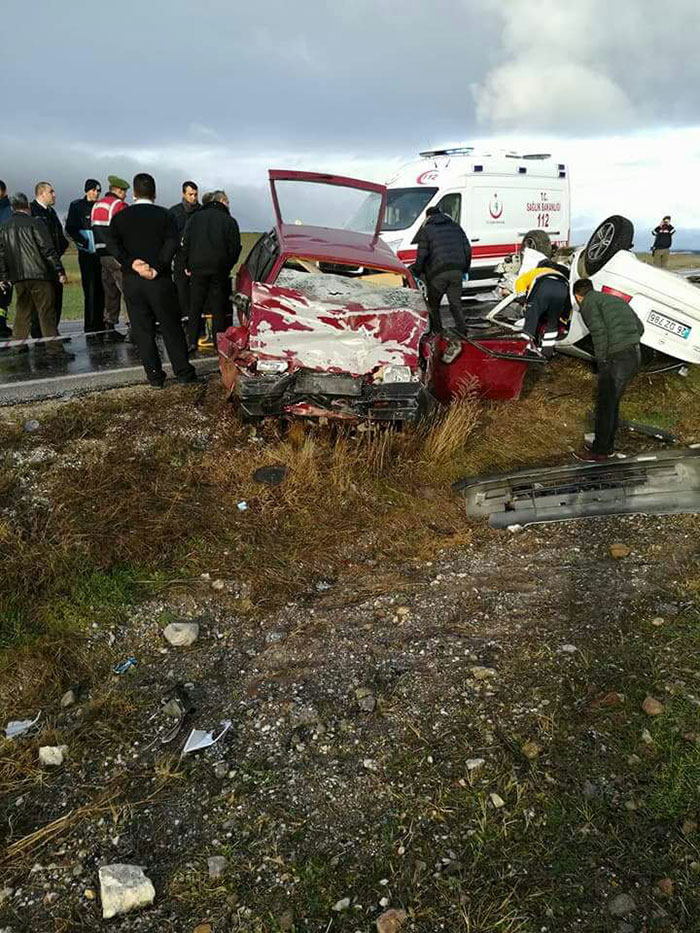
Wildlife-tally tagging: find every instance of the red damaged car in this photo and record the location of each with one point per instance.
(330, 319)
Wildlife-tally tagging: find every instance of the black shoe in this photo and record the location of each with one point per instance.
(189, 379)
(114, 335)
(157, 385)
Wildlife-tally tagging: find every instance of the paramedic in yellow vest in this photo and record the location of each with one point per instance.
(546, 290)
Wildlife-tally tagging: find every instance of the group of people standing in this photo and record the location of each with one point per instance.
(166, 264)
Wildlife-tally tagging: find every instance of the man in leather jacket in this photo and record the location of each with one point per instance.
(29, 260)
(43, 207)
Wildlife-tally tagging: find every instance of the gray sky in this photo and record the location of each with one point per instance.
(221, 91)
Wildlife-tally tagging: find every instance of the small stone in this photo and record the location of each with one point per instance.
(692, 738)
(286, 921)
(652, 707)
(181, 634)
(483, 673)
(622, 905)
(341, 905)
(497, 801)
(531, 750)
(689, 827)
(220, 770)
(124, 888)
(369, 764)
(173, 709)
(590, 790)
(658, 622)
(52, 755)
(619, 551)
(5, 893)
(203, 928)
(647, 737)
(218, 584)
(68, 699)
(391, 921)
(89, 894)
(216, 865)
(31, 425)
(666, 887)
(634, 760)
(403, 611)
(473, 764)
(365, 699)
(568, 649)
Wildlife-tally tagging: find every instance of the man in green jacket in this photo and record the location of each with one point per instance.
(615, 330)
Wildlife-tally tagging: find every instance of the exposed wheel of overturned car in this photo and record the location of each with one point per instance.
(539, 240)
(614, 234)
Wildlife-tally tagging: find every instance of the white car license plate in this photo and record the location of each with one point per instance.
(667, 323)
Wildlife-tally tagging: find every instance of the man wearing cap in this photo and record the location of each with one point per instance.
(103, 212)
(78, 228)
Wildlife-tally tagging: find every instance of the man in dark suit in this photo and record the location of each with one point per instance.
(78, 228)
(43, 207)
(144, 240)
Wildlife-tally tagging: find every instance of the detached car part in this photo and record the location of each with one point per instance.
(662, 483)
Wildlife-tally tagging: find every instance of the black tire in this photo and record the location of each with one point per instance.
(614, 234)
(539, 240)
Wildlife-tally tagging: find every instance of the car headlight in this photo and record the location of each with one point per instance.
(396, 374)
(272, 366)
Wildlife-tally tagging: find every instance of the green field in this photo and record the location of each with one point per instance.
(73, 293)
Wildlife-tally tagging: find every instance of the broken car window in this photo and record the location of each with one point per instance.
(320, 205)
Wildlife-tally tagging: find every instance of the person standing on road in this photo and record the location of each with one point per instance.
(144, 240)
(5, 287)
(43, 207)
(29, 260)
(210, 249)
(103, 212)
(663, 237)
(615, 330)
(182, 212)
(78, 228)
(444, 256)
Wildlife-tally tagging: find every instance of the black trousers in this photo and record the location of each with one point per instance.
(182, 284)
(548, 301)
(446, 283)
(93, 291)
(209, 293)
(58, 308)
(148, 302)
(613, 376)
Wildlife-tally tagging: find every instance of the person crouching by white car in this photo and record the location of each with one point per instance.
(546, 288)
(615, 330)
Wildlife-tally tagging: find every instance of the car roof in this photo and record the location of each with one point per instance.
(329, 244)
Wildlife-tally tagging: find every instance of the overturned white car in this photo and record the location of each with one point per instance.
(667, 304)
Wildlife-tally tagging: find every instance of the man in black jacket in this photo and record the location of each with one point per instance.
(28, 259)
(444, 255)
(78, 228)
(5, 288)
(144, 240)
(43, 207)
(663, 237)
(210, 249)
(182, 212)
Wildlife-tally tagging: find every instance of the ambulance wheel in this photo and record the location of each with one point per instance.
(614, 234)
(539, 240)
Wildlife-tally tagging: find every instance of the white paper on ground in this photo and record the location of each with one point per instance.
(199, 739)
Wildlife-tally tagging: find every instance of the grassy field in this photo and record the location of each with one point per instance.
(120, 515)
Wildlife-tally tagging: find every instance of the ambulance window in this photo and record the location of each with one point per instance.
(451, 205)
(405, 205)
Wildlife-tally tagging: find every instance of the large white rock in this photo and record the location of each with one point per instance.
(124, 888)
(52, 755)
(181, 634)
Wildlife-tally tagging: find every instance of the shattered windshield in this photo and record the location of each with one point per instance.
(321, 205)
(403, 207)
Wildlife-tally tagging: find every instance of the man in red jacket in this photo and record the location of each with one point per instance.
(102, 215)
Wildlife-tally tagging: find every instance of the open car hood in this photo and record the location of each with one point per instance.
(321, 178)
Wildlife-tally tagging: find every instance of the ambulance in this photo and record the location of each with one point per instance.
(501, 199)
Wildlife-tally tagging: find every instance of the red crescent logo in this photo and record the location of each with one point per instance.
(496, 208)
(427, 177)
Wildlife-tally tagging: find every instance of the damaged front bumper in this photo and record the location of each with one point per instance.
(339, 396)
